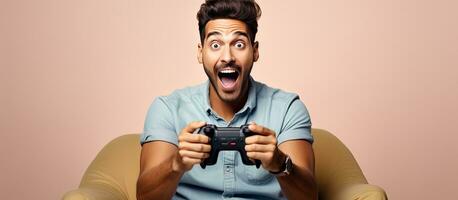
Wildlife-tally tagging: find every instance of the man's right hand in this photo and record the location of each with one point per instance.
(192, 148)
(162, 164)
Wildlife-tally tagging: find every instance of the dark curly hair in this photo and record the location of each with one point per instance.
(247, 11)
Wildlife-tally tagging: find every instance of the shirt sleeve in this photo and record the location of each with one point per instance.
(296, 124)
(159, 124)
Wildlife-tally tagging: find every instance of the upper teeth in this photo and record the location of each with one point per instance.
(228, 71)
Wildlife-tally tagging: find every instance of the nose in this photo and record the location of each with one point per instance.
(227, 57)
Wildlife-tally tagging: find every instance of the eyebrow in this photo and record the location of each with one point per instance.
(238, 33)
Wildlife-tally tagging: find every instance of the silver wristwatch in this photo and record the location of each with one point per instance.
(286, 168)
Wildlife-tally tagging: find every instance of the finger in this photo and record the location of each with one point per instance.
(193, 154)
(260, 148)
(194, 138)
(191, 161)
(197, 147)
(260, 129)
(262, 156)
(260, 139)
(191, 127)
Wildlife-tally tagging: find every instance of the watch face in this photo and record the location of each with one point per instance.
(289, 165)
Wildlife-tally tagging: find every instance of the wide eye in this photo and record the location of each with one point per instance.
(240, 45)
(214, 45)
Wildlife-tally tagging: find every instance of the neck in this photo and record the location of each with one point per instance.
(224, 109)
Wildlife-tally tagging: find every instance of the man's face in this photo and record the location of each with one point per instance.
(227, 55)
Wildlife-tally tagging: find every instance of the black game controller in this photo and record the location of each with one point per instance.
(226, 139)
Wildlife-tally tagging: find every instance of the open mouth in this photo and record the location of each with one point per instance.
(228, 77)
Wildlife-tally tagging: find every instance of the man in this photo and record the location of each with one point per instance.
(231, 97)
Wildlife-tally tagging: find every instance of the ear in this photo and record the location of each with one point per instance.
(199, 53)
(255, 51)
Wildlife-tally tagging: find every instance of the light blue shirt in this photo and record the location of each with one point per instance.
(280, 111)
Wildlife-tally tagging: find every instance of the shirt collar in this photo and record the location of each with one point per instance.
(249, 105)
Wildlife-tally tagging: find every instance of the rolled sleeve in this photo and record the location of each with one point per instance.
(159, 124)
(297, 124)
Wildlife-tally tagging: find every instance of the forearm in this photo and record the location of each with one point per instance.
(159, 182)
(299, 184)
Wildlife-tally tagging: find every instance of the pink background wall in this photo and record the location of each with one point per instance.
(381, 75)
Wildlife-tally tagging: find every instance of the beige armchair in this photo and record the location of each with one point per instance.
(113, 173)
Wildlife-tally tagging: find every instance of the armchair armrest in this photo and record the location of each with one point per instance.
(362, 192)
(113, 173)
(92, 194)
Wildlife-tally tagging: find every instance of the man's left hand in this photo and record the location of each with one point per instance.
(263, 146)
